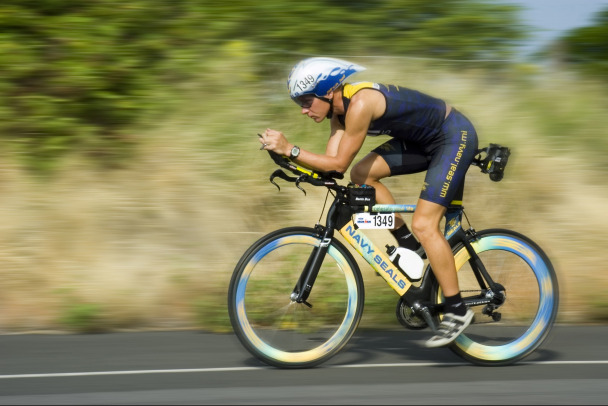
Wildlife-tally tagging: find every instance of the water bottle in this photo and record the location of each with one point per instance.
(407, 261)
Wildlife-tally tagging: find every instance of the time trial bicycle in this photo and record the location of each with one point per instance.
(296, 295)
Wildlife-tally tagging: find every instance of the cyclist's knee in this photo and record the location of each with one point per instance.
(425, 227)
(369, 170)
(361, 174)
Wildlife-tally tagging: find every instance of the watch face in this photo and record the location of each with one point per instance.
(295, 151)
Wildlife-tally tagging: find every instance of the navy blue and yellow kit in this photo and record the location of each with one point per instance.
(423, 139)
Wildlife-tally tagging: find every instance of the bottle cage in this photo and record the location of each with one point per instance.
(494, 161)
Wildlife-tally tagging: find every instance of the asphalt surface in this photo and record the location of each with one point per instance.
(389, 367)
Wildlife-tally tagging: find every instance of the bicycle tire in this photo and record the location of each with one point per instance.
(287, 334)
(532, 298)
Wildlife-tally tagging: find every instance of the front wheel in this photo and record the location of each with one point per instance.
(279, 331)
(519, 322)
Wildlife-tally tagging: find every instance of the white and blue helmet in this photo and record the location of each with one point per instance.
(319, 76)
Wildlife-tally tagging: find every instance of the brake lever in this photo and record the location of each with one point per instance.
(300, 179)
(280, 174)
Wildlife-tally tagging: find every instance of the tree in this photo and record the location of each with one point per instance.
(74, 75)
(587, 47)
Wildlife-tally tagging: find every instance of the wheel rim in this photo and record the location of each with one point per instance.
(336, 340)
(545, 313)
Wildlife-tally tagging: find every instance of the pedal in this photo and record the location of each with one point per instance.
(426, 315)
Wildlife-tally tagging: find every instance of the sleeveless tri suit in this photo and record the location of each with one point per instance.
(423, 139)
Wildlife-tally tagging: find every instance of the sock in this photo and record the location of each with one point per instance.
(405, 238)
(455, 304)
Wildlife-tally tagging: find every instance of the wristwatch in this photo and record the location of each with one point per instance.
(295, 152)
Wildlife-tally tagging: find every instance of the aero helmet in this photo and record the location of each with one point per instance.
(319, 76)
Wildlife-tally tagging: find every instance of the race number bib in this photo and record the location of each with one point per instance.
(378, 220)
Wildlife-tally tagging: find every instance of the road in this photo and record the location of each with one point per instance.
(391, 367)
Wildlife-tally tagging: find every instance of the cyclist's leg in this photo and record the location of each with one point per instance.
(389, 159)
(452, 155)
(456, 315)
(425, 225)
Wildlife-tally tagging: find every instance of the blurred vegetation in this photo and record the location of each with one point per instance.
(599, 308)
(144, 113)
(75, 74)
(83, 318)
(79, 316)
(78, 75)
(83, 77)
(587, 47)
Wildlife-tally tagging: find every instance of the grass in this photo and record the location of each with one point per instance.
(153, 244)
(83, 318)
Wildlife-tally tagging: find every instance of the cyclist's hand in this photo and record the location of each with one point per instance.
(275, 141)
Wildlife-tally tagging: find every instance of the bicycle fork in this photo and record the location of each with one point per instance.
(309, 274)
(336, 215)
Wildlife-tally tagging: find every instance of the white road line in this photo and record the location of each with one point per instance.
(241, 369)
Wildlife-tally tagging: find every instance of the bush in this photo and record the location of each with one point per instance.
(75, 75)
(82, 317)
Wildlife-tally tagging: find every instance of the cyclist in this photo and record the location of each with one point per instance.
(426, 134)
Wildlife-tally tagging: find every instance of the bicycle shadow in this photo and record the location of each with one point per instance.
(402, 347)
(407, 346)
(393, 347)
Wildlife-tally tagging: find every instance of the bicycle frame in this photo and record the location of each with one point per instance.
(378, 260)
(340, 217)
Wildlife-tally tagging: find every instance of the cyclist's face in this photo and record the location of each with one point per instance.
(305, 101)
(313, 107)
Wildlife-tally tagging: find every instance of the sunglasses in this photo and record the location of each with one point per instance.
(305, 101)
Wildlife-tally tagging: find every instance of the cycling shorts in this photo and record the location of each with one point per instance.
(446, 159)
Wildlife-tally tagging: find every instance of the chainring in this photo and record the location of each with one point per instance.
(407, 318)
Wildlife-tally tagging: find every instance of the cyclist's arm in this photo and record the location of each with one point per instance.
(337, 131)
(344, 143)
